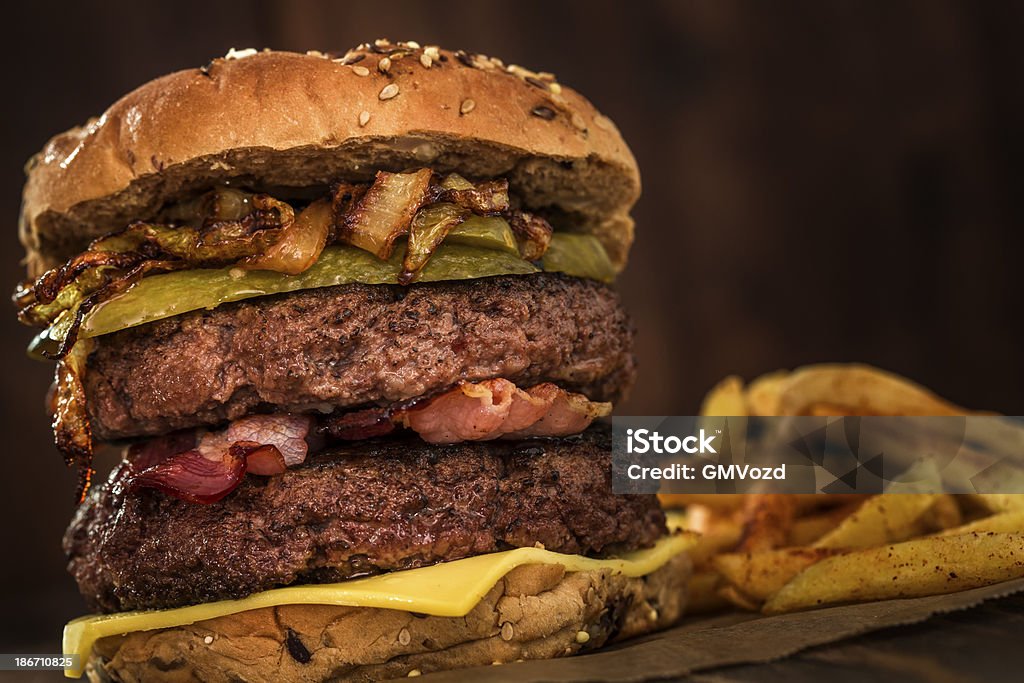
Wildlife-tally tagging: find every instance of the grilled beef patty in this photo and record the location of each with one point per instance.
(371, 507)
(355, 345)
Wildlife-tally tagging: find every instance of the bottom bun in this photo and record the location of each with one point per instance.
(535, 612)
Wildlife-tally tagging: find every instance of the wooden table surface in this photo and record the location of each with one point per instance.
(984, 644)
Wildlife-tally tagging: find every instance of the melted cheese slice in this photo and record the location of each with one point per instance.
(449, 589)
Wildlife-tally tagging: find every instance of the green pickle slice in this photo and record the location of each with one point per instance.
(486, 232)
(479, 247)
(163, 296)
(579, 256)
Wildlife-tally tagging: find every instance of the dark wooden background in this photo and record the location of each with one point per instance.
(822, 181)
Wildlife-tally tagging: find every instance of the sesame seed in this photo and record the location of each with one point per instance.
(496, 663)
(582, 637)
(382, 42)
(208, 639)
(240, 54)
(350, 58)
(555, 88)
(316, 53)
(426, 60)
(364, 118)
(413, 44)
(652, 615)
(578, 121)
(384, 64)
(389, 91)
(467, 106)
(432, 51)
(414, 673)
(543, 112)
(404, 637)
(506, 631)
(360, 70)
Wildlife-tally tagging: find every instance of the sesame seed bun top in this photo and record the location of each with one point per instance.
(289, 119)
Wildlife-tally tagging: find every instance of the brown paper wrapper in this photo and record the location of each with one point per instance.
(705, 643)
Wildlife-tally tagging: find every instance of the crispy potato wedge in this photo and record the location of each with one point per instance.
(735, 597)
(703, 596)
(943, 514)
(767, 518)
(809, 528)
(760, 575)
(880, 520)
(1004, 522)
(717, 534)
(998, 502)
(725, 398)
(926, 566)
(860, 390)
(764, 392)
(717, 501)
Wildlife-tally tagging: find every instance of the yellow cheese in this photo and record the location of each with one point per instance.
(449, 589)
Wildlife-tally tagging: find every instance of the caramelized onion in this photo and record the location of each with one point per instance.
(71, 428)
(533, 234)
(428, 230)
(486, 198)
(300, 243)
(261, 460)
(144, 454)
(192, 477)
(385, 211)
(287, 433)
(206, 471)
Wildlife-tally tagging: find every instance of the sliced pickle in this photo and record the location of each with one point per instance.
(485, 232)
(578, 255)
(163, 296)
(170, 294)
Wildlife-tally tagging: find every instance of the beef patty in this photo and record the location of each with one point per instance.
(370, 507)
(355, 345)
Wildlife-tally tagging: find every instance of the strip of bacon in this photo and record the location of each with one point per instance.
(497, 408)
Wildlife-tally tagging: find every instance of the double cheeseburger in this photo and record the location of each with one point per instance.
(349, 318)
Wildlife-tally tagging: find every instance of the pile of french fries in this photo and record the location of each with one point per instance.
(782, 553)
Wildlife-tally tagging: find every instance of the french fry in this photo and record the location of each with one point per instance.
(809, 528)
(760, 575)
(725, 398)
(718, 501)
(859, 390)
(734, 596)
(943, 514)
(763, 394)
(1004, 522)
(703, 593)
(926, 566)
(717, 533)
(881, 519)
(998, 502)
(767, 518)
